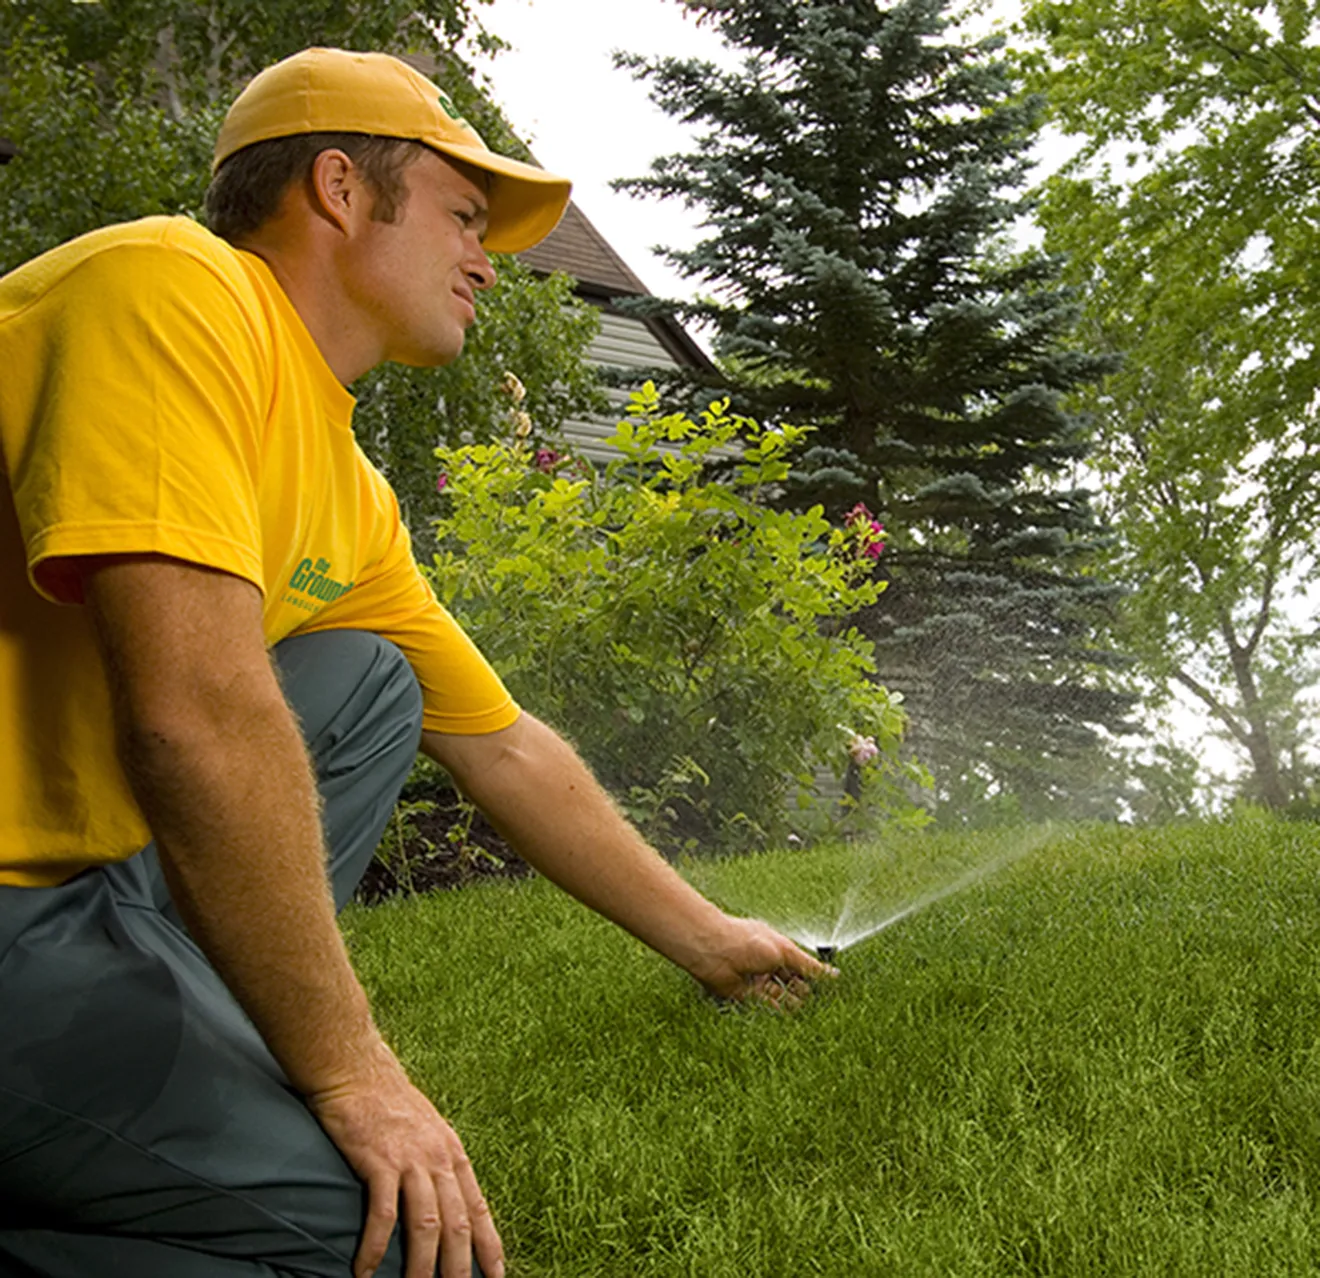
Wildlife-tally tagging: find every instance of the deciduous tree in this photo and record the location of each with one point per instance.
(1191, 221)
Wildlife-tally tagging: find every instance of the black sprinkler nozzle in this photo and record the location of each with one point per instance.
(825, 953)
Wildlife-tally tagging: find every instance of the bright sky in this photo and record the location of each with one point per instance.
(583, 118)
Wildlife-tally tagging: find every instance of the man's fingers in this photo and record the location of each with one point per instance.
(485, 1237)
(444, 1218)
(800, 963)
(416, 1170)
(423, 1217)
(456, 1241)
(782, 990)
(382, 1212)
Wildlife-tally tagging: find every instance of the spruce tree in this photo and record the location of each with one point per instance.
(859, 177)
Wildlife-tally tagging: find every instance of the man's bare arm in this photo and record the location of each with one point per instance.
(544, 800)
(218, 766)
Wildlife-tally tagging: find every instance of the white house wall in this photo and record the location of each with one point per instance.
(623, 342)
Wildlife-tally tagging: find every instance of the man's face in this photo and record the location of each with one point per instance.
(414, 280)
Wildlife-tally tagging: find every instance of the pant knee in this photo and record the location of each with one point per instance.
(335, 680)
(389, 670)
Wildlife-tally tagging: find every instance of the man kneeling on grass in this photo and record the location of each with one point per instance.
(190, 1079)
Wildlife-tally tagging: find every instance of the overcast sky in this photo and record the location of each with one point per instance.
(590, 122)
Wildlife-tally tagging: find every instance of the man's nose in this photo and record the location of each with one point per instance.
(479, 269)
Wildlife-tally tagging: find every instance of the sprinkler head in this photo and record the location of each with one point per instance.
(825, 953)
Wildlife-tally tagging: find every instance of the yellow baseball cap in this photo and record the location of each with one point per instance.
(335, 91)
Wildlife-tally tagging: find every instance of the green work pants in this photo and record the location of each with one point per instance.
(145, 1129)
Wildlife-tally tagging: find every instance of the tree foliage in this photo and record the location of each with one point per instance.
(199, 51)
(858, 176)
(90, 153)
(1191, 220)
(115, 105)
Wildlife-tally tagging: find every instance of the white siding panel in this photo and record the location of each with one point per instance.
(625, 341)
(622, 342)
(586, 434)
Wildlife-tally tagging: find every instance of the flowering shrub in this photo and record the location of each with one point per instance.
(868, 534)
(691, 641)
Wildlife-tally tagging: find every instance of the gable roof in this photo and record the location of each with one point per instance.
(578, 249)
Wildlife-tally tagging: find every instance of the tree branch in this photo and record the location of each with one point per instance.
(1264, 614)
(1215, 706)
(1309, 104)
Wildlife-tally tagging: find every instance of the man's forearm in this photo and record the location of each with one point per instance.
(545, 802)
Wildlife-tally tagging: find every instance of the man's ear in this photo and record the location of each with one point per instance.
(337, 191)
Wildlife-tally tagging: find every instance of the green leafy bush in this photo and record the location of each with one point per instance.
(691, 641)
(90, 153)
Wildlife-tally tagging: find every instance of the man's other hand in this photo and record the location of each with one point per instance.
(413, 1164)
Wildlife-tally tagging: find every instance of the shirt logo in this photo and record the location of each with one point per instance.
(312, 586)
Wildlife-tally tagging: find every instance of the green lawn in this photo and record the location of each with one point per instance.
(1104, 1059)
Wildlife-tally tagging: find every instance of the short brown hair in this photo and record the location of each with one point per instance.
(247, 188)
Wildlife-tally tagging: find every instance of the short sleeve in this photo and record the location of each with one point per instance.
(146, 431)
(461, 693)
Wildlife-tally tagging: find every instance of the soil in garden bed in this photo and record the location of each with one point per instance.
(482, 855)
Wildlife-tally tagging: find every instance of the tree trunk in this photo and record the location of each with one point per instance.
(1258, 741)
(1269, 780)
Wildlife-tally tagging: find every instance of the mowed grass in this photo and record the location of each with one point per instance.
(1104, 1059)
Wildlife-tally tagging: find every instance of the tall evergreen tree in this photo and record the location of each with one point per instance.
(859, 177)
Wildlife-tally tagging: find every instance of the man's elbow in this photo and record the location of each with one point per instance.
(479, 761)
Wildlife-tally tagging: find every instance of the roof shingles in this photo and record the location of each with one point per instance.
(577, 248)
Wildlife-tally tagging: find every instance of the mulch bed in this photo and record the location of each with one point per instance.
(482, 856)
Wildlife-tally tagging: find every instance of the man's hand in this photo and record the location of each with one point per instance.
(408, 1155)
(751, 961)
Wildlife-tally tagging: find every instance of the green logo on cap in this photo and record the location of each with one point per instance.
(450, 109)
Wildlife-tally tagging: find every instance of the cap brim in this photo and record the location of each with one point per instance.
(526, 203)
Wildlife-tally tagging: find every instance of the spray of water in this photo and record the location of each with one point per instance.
(855, 922)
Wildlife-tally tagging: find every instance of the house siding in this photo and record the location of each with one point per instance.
(622, 342)
(625, 341)
(576, 247)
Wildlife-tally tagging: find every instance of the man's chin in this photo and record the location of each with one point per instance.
(434, 358)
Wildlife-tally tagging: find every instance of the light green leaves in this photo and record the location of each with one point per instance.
(1191, 218)
(673, 627)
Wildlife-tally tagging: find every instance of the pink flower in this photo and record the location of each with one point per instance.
(857, 516)
(546, 459)
(442, 482)
(867, 532)
(861, 750)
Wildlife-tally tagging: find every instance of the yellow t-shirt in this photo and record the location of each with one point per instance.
(160, 394)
